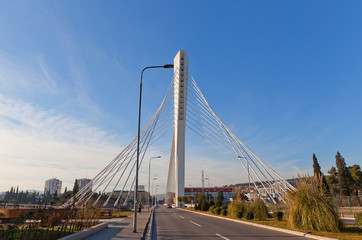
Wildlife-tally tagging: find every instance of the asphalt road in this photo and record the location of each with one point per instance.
(178, 224)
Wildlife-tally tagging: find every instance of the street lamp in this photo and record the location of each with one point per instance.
(152, 190)
(149, 179)
(208, 185)
(247, 161)
(138, 145)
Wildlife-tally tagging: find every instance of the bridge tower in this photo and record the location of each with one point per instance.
(176, 173)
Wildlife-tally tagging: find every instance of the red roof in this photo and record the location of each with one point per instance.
(211, 189)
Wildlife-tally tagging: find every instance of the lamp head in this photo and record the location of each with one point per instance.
(168, 66)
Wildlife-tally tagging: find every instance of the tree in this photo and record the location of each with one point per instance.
(318, 175)
(75, 187)
(356, 174)
(332, 177)
(345, 180)
(220, 196)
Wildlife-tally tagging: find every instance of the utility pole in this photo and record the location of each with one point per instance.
(203, 180)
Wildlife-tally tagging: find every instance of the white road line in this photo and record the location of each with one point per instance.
(222, 236)
(195, 223)
(181, 216)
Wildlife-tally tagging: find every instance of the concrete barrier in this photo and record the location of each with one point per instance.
(86, 233)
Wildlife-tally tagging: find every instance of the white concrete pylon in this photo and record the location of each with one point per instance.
(181, 70)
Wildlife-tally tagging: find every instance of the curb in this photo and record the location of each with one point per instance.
(301, 234)
(86, 233)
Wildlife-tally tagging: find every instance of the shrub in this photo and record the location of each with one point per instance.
(359, 219)
(211, 209)
(239, 214)
(249, 215)
(211, 203)
(204, 206)
(259, 209)
(218, 203)
(278, 215)
(217, 210)
(236, 207)
(224, 212)
(224, 207)
(196, 207)
(311, 209)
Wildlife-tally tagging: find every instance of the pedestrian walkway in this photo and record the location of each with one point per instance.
(122, 228)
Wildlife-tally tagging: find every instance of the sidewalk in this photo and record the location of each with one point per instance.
(122, 228)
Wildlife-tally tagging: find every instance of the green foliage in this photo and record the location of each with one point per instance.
(356, 174)
(224, 212)
(211, 209)
(204, 206)
(311, 209)
(75, 187)
(249, 215)
(196, 207)
(278, 215)
(318, 175)
(345, 180)
(217, 210)
(211, 203)
(332, 177)
(259, 209)
(224, 207)
(220, 196)
(218, 203)
(359, 219)
(237, 208)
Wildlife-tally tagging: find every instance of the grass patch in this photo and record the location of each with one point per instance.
(122, 214)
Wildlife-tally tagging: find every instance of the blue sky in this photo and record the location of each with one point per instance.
(285, 76)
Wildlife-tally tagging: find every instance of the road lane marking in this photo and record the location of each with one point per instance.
(195, 223)
(181, 216)
(222, 236)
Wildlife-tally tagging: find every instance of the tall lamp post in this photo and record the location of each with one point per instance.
(208, 185)
(247, 162)
(149, 180)
(138, 145)
(153, 202)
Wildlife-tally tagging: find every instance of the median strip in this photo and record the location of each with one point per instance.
(195, 223)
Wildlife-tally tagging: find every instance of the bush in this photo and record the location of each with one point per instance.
(236, 208)
(278, 215)
(204, 206)
(249, 215)
(211, 209)
(259, 209)
(224, 212)
(217, 210)
(239, 214)
(311, 209)
(196, 207)
(224, 207)
(211, 203)
(359, 220)
(218, 203)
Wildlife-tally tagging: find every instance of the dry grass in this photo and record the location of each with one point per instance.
(311, 209)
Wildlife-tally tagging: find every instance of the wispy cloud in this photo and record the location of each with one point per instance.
(37, 143)
(17, 77)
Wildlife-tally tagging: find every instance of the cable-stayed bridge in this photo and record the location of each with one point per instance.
(184, 106)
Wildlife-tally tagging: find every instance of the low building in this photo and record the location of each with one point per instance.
(82, 182)
(53, 186)
(212, 191)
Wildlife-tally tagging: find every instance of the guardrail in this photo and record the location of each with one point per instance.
(150, 231)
